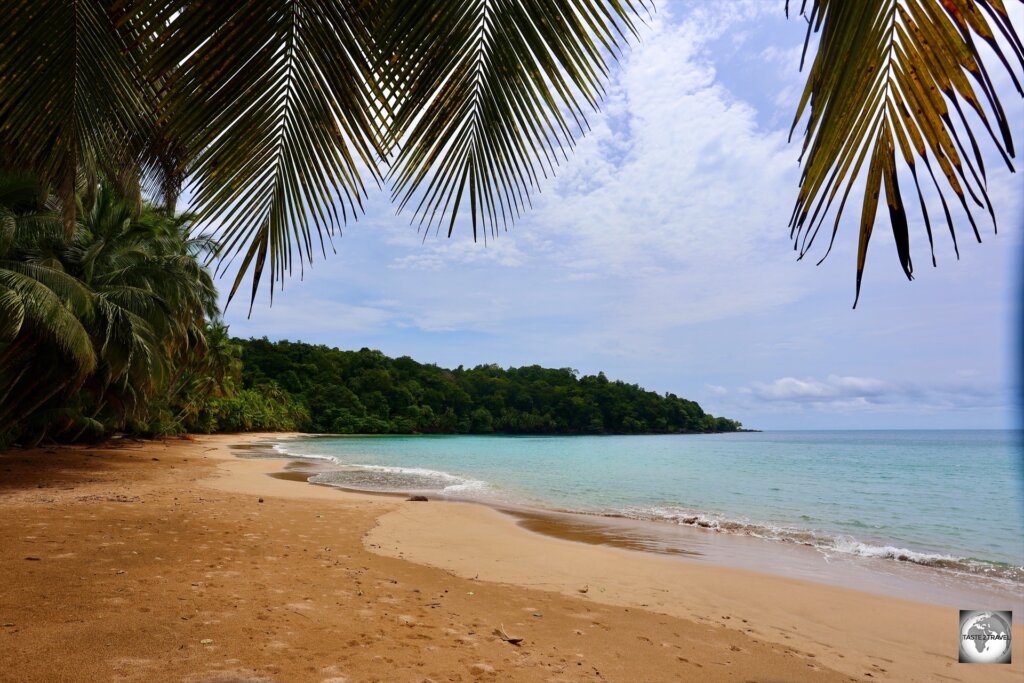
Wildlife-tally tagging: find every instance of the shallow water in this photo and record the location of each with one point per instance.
(949, 500)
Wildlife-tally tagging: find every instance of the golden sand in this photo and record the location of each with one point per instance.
(159, 562)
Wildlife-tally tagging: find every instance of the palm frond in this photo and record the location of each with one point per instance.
(8, 229)
(894, 84)
(275, 102)
(489, 96)
(50, 317)
(70, 290)
(12, 314)
(128, 346)
(70, 95)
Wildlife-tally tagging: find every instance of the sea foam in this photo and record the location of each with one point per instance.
(823, 542)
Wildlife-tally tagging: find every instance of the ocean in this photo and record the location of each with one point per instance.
(949, 500)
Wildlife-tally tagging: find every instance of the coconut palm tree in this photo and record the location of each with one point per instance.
(39, 302)
(214, 373)
(152, 298)
(42, 308)
(99, 327)
(281, 113)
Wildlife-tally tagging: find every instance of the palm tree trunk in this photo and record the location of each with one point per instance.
(96, 412)
(25, 413)
(10, 387)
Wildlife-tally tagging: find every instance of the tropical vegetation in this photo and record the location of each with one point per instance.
(369, 393)
(113, 327)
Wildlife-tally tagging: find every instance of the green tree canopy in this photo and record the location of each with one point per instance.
(367, 392)
(113, 327)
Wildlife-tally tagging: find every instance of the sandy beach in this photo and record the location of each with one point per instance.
(177, 561)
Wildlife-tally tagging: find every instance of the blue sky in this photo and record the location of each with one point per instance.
(660, 255)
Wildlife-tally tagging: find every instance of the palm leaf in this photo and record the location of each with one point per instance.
(890, 87)
(70, 290)
(50, 317)
(275, 102)
(70, 96)
(129, 347)
(12, 314)
(489, 96)
(8, 230)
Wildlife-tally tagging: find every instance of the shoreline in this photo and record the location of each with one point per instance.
(492, 543)
(776, 556)
(180, 561)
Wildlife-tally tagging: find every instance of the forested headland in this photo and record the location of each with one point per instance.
(114, 327)
(367, 392)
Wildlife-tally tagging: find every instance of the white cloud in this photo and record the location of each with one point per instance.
(676, 198)
(837, 393)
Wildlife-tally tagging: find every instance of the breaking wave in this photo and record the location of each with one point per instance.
(826, 543)
(386, 478)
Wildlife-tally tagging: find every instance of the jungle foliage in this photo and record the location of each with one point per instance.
(367, 392)
(113, 327)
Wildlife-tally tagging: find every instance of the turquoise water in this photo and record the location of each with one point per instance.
(947, 499)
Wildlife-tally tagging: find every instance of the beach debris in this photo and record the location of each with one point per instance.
(538, 615)
(7, 625)
(585, 589)
(33, 558)
(417, 499)
(120, 571)
(206, 641)
(261, 500)
(512, 640)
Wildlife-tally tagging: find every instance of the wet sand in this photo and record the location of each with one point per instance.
(905, 580)
(874, 575)
(159, 562)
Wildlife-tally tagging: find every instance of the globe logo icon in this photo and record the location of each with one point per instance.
(985, 637)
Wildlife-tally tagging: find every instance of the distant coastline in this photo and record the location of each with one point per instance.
(296, 386)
